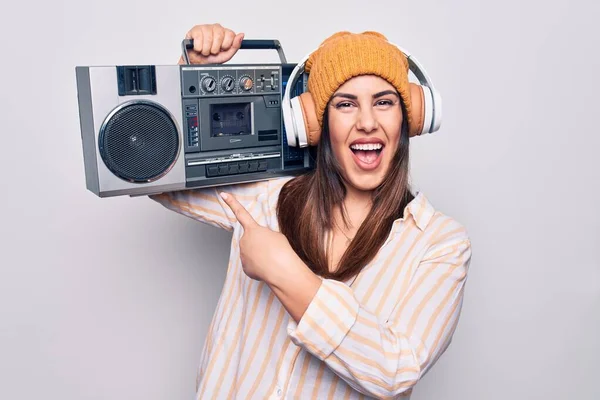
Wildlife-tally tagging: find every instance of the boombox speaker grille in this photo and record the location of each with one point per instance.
(139, 142)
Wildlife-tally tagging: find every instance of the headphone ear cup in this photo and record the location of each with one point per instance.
(417, 106)
(299, 124)
(421, 100)
(309, 114)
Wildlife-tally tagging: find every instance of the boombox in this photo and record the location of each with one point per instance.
(148, 129)
(153, 128)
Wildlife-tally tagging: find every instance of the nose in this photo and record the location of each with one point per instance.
(366, 120)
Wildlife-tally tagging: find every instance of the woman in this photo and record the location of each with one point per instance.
(341, 283)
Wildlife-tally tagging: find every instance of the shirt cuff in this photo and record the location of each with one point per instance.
(327, 320)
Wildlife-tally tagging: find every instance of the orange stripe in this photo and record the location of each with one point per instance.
(335, 319)
(303, 339)
(373, 286)
(363, 320)
(218, 310)
(398, 269)
(422, 208)
(271, 210)
(449, 234)
(407, 271)
(441, 280)
(235, 270)
(254, 348)
(247, 325)
(217, 317)
(263, 367)
(451, 331)
(218, 349)
(315, 393)
(321, 332)
(342, 300)
(212, 195)
(348, 392)
(377, 382)
(333, 387)
(441, 331)
(399, 308)
(201, 212)
(411, 294)
(301, 383)
(293, 363)
(438, 311)
(390, 355)
(350, 356)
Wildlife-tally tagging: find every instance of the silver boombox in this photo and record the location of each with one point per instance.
(148, 129)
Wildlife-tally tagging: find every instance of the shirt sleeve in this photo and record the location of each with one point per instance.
(207, 206)
(383, 358)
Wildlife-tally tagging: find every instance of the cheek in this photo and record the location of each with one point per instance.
(395, 139)
(392, 128)
(338, 134)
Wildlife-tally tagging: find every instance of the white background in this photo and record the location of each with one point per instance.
(111, 298)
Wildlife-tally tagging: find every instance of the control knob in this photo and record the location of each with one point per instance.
(227, 83)
(246, 83)
(209, 84)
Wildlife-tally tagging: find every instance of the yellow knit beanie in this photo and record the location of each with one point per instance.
(345, 55)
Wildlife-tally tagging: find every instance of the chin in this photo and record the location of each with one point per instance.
(364, 182)
(365, 186)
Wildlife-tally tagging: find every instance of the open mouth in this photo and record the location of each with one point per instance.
(367, 155)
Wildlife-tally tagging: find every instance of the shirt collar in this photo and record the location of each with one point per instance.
(419, 209)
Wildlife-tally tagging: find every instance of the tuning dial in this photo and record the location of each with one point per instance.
(246, 83)
(209, 84)
(227, 83)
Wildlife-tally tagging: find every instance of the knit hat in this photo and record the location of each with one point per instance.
(345, 55)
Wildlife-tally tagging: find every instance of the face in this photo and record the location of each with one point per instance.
(365, 118)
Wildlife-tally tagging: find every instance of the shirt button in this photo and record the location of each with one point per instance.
(279, 392)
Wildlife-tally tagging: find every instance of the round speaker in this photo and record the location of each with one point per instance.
(139, 141)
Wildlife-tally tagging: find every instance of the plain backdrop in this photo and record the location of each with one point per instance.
(111, 298)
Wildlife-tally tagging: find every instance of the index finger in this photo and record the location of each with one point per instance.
(239, 211)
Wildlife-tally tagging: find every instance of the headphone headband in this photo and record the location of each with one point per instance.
(296, 131)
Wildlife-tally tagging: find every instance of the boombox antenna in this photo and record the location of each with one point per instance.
(251, 44)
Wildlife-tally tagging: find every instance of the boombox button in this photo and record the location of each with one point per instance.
(233, 168)
(243, 167)
(262, 166)
(253, 167)
(223, 169)
(212, 170)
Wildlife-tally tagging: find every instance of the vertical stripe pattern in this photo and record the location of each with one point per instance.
(372, 337)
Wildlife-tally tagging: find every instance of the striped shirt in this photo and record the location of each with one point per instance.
(373, 336)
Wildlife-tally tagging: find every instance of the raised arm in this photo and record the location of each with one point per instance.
(213, 44)
(205, 205)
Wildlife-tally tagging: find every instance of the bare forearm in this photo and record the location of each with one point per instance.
(295, 286)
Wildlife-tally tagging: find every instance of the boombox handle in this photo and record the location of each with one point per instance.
(246, 44)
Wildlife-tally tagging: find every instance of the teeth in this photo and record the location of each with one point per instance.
(367, 146)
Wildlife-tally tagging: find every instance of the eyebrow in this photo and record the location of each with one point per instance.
(375, 96)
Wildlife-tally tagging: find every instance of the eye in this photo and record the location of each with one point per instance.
(385, 103)
(343, 104)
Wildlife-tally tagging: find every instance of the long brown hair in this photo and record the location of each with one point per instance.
(306, 203)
